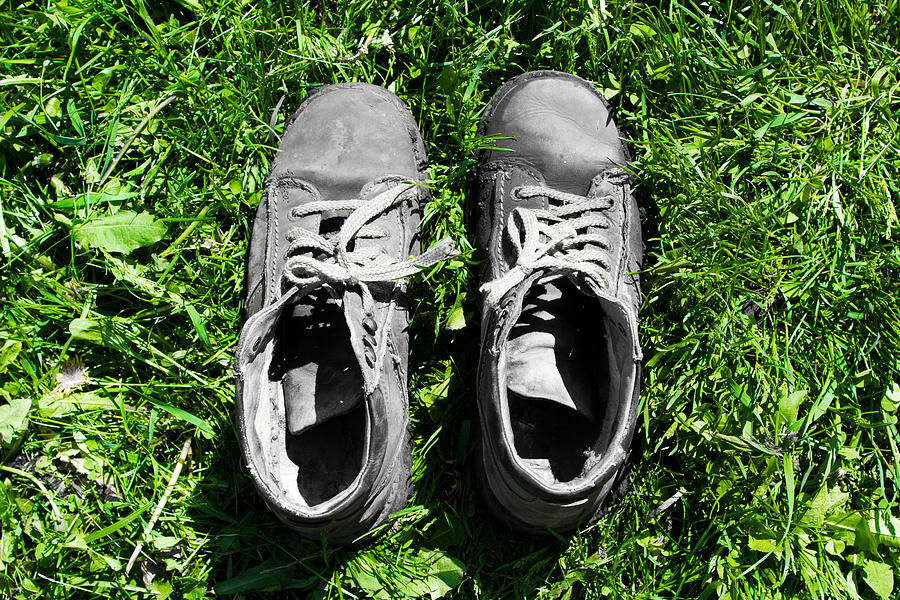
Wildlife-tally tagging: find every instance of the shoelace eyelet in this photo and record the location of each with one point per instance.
(370, 325)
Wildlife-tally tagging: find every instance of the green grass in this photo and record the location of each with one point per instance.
(765, 143)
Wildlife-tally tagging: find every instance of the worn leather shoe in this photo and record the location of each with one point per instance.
(321, 364)
(559, 370)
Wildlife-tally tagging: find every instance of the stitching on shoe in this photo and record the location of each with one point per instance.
(623, 259)
(272, 208)
(498, 221)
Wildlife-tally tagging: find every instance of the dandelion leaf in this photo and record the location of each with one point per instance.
(122, 232)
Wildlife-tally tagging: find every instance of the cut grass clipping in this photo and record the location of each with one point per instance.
(134, 140)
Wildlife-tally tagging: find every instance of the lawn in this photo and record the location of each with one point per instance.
(766, 152)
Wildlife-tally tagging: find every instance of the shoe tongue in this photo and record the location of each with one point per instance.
(541, 364)
(322, 379)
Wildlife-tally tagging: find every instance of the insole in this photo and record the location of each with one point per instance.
(329, 455)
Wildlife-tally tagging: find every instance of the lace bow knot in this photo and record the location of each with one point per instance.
(341, 267)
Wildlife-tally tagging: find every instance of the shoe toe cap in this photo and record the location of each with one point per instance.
(560, 125)
(347, 135)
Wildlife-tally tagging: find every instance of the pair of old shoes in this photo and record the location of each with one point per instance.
(321, 365)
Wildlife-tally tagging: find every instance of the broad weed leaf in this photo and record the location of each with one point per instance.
(122, 232)
(13, 420)
(880, 577)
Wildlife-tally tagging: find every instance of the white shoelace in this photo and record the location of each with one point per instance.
(549, 240)
(362, 267)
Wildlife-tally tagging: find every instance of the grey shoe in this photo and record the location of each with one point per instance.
(321, 364)
(559, 373)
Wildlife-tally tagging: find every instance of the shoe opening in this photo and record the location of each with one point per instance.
(559, 391)
(322, 389)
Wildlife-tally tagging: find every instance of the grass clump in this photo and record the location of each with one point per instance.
(765, 145)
